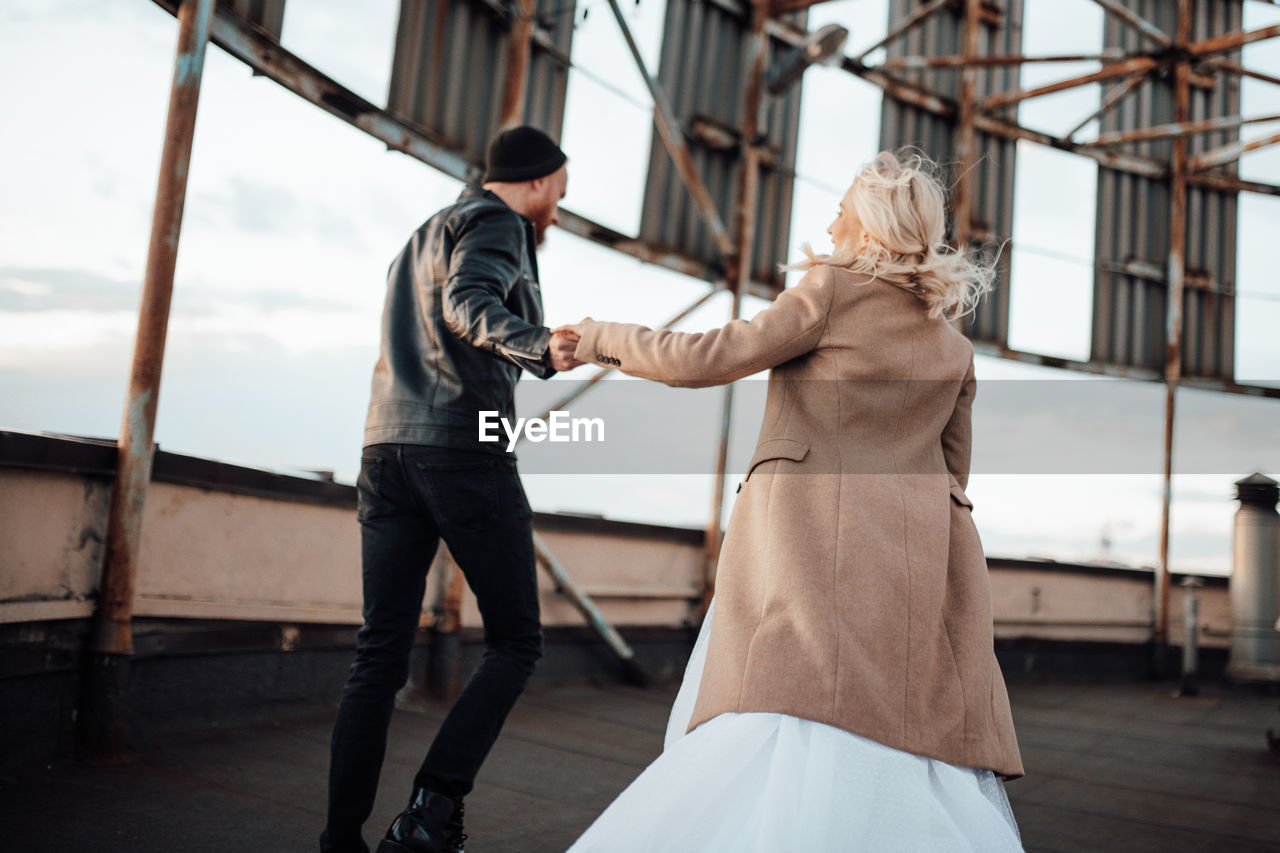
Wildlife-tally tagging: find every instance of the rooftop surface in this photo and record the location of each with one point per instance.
(1110, 766)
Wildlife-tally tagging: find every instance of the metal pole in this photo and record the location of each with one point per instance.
(511, 112)
(740, 266)
(673, 139)
(966, 133)
(112, 640)
(1191, 636)
(1173, 328)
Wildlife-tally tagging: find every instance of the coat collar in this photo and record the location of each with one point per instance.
(474, 191)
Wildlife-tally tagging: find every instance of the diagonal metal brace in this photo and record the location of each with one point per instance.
(1136, 21)
(673, 139)
(567, 585)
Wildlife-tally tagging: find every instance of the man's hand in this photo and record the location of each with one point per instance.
(563, 346)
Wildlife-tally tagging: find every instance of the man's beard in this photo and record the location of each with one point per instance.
(539, 235)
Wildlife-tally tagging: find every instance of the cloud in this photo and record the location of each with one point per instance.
(251, 206)
(239, 399)
(25, 289)
(38, 289)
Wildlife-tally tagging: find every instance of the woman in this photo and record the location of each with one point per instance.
(844, 692)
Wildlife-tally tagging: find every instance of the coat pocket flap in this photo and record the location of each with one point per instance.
(957, 494)
(777, 448)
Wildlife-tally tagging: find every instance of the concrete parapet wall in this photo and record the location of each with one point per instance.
(224, 550)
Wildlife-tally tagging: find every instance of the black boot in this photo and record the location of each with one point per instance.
(431, 824)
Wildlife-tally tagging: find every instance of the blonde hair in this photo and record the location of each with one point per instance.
(902, 207)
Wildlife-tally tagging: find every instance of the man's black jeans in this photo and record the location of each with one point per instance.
(410, 497)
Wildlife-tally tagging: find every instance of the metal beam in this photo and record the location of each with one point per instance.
(783, 7)
(1136, 21)
(1123, 68)
(270, 60)
(1231, 183)
(1230, 41)
(112, 640)
(749, 133)
(538, 34)
(1176, 272)
(1116, 371)
(917, 62)
(673, 138)
(930, 101)
(1230, 151)
(113, 632)
(1167, 131)
(907, 23)
(1235, 68)
(569, 587)
(904, 90)
(511, 110)
(1114, 97)
(1133, 164)
(937, 104)
(966, 132)
(602, 235)
(757, 49)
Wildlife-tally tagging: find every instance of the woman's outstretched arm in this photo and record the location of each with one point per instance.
(790, 327)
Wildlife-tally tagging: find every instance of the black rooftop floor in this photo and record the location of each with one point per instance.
(1114, 766)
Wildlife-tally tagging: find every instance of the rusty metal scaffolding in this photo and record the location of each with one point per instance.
(111, 644)
(1197, 53)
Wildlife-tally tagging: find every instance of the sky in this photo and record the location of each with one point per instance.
(292, 217)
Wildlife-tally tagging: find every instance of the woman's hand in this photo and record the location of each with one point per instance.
(572, 331)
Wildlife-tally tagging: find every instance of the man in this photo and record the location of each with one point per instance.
(463, 316)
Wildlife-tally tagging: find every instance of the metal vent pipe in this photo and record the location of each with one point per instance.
(1255, 581)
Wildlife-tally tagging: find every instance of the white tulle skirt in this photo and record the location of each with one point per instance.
(774, 783)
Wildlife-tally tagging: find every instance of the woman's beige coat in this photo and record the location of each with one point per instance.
(852, 587)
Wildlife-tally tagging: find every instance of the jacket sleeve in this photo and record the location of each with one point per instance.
(957, 435)
(787, 329)
(483, 267)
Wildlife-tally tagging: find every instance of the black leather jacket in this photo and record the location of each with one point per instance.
(463, 315)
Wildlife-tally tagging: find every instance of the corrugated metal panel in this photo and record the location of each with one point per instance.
(704, 70)
(451, 61)
(992, 178)
(1133, 228)
(266, 15)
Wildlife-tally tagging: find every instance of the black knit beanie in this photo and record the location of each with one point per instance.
(521, 154)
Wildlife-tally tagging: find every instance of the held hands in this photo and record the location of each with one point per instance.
(564, 344)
